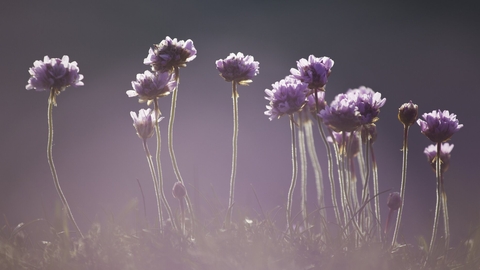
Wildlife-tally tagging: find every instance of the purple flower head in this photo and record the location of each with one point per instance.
(238, 68)
(144, 123)
(352, 141)
(54, 74)
(408, 113)
(170, 54)
(368, 103)
(394, 201)
(286, 97)
(179, 190)
(342, 114)
(313, 71)
(149, 86)
(445, 150)
(439, 126)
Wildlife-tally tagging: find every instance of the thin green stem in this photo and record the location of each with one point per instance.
(303, 169)
(170, 145)
(234, 152)
(51, 103)
(317, 169)
(376, 189)
(437, 202)
(331, 177)
(294, 177)
(155, 183)
(445, 213)
(402, 186)
(159, 164)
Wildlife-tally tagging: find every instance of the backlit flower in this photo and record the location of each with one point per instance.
(312, 105)
(238, 68)
(445, 150)
(170, 54)
(144, 123)
(394, 201)
(368, 103)
(342, 114)
(286, 97)
(149, 86)
(54, 74)
(313, 71)
(439, 126)
(178, 190)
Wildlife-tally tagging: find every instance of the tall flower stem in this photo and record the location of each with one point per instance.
(159, 164)
(403, 184)
(234, 152)
(155, 184)
(303, 168)
(317, 169)
(170, 145)
(376, 189)
(438, 173)
(330, 169)
(51, 103)
(294, 177)
(445, 213)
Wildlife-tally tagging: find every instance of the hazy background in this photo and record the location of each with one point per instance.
(426, 52)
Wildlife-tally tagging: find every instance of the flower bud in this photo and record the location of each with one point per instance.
(179, 190)
(407, 113)
(394, 201)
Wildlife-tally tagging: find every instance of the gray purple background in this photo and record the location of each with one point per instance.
(426, 52)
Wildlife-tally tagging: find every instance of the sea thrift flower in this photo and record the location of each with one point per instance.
(342, 114)
(149, 86)
(313, 71)
(439, 126)
(286, 97)
(445, 150)
(170, 54)
(238, 68)
(179, 190)
(368, 103)
(144, 123)
(54, 74)
(408, 113)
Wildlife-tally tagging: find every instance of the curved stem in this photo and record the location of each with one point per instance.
(51, 103)
(294, 177)
(155, 184)
(159, 164)
(402, 186)
(445, 213)
(376, 189)
(171, 120)
(234, 152)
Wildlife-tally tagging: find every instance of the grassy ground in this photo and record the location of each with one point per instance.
(247, 244)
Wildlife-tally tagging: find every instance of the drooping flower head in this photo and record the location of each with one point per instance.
(150, 86)
(178, 190)
(170, 54)
(439, 126)
(445, 150)
(238, 68)
(342, 114)
(408, 113)
(54, 74)
(368, 103)
(352, 142)
(144, 123)
(312, 105)
(286, 97)
(313, 71)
